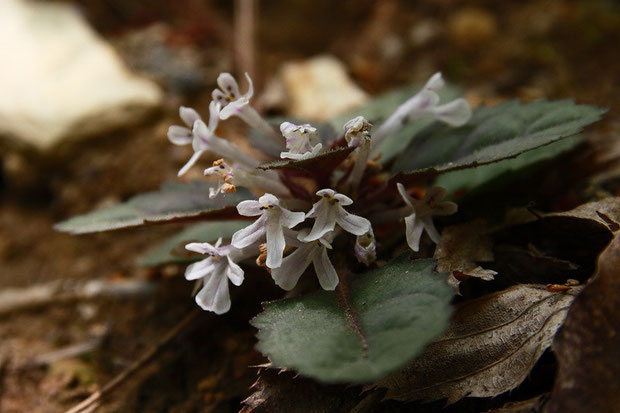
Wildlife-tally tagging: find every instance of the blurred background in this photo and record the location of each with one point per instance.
(87, 92)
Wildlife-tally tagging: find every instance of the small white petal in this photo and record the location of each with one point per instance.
(455, 113)
(188, 115)
(199, 269)
(219, 97)
(234, 108)
(287, 127)
(249, 208)
(287, 275)
(201, 136)
(295, 156)
(190, 163)
(201, 248)
(214, 115)
(425, 100)
(343, 200)
(327, 275)
(325, 221)
(325, 243)
(353, 224)
(404, 195)
(435, 83)
(316, 149)
(290, 219)
(314, 210)
(214, 295)
(234, 272)
(228, 85)
(430, 229)
(275, 244)
(248, 95)
(326, 191)
(268, 200)
(413, 232)
(180, 135)
(250, 234)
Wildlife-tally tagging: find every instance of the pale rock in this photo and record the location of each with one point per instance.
(60, 80)
(320, 88)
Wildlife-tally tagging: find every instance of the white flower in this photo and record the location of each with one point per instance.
(302, 141)
(225, 175)
(198, 136)
(203, 138)
(228, 95)
(357, 134)
(215, 271)
(229, 177)
(356, 131)
(235, 104)
(365, 248)
(425, 104)
(329, 211)
(270, 224)
(422, 212)
(181, 135)
(294, 265)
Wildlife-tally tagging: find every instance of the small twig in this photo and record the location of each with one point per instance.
(95, 399)
(16, 299)
(244, 36)
(74, 350)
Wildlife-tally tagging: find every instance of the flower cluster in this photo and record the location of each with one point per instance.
(293, 229)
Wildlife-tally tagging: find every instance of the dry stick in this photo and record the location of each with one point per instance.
(95, 398)
(17, 299)
(244, 36)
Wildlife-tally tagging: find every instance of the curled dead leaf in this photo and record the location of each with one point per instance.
(605, 212)
(460, 250)
(588, 346)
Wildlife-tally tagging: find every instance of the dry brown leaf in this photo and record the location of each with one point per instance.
(490, 347)
(518, 265)
(283, 392)
(588, 346)
(534, 405)
(460, 250)
(555, 240)
(605, 212)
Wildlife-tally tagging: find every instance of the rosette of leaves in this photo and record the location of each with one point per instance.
(379, 319)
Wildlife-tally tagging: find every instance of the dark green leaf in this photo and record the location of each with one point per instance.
(398, 309)
(470, 179)
(172, 250)
(173, 202)
(326, 161)
(494, 134)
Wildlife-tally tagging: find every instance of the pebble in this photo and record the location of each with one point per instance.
(60, 80)
(320, 88)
